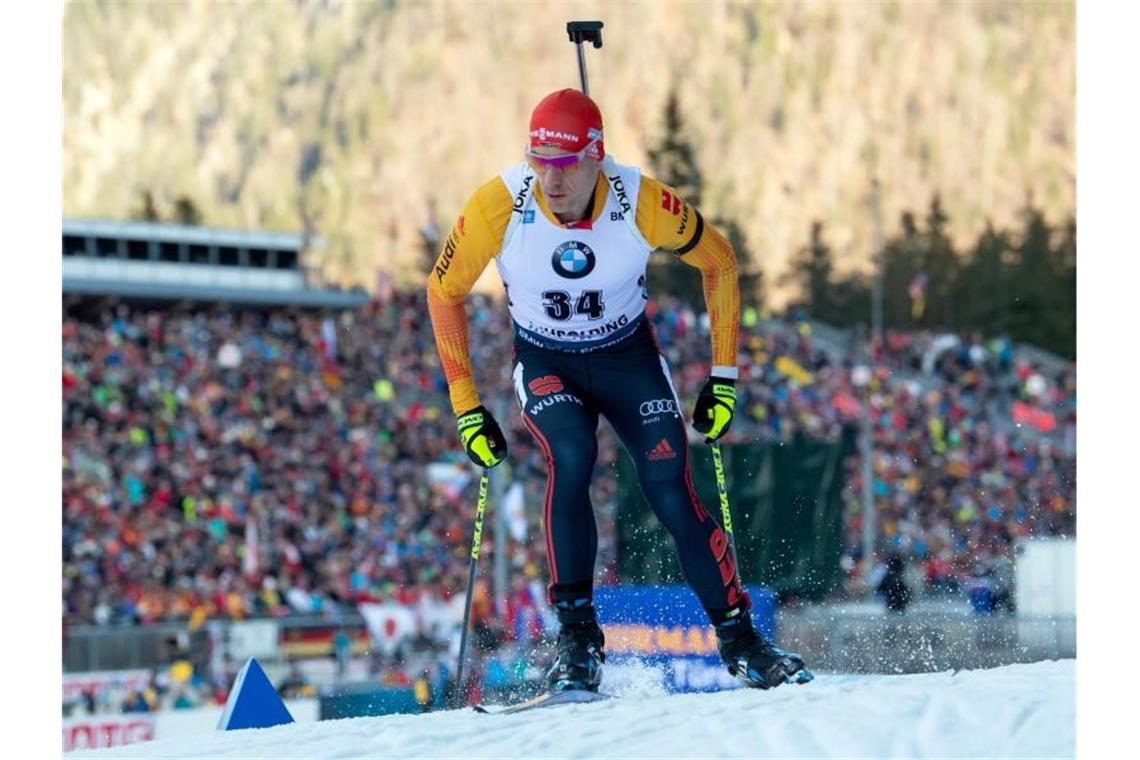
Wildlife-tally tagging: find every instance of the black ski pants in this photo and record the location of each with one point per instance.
(561, 395)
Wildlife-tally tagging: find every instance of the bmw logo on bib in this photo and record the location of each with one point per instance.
(573, 259)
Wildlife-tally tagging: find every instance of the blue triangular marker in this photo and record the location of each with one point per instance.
(253, 702)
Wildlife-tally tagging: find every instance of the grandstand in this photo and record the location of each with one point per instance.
(148, 262)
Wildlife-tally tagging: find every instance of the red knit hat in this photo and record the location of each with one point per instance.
(569, 120)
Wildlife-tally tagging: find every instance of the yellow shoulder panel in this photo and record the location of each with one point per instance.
(666, 219)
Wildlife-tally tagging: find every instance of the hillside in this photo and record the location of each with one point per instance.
(354, 120)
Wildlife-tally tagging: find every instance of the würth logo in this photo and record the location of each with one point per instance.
(661, 451)
(542, 386)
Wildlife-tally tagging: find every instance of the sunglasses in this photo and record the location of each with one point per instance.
(563, 162)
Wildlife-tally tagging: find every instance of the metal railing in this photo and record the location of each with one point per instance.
(919, 642)
(127, 647)
(853, 638)
(89, 648)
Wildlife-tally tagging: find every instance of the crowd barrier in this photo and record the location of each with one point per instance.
(842, 640)
(120, 647)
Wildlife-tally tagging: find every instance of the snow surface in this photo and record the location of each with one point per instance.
(1012, 711)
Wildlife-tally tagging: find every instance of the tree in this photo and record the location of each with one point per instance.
(147, 210)
(1022, 284)
(850, 301)
(1065, 311)
(902, 263)
(1044, 284)
(823, 294)
(941, 267)
(674, 162)
(672, 159)
(812, 268)
(920, 273)
(186, 211)
(983, 290)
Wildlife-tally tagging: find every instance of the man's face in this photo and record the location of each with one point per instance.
(567, 191)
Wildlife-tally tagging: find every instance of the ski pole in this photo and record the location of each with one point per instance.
(584, 31)
(722, 490)
(476, 541)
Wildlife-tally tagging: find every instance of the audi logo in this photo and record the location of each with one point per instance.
(658, 406)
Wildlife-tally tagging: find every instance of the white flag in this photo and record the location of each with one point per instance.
(388, 624)
(249, 561)
(514, 507)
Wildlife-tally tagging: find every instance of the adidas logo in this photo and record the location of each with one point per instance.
(661, 451)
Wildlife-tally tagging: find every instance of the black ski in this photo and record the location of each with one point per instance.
(550, 699)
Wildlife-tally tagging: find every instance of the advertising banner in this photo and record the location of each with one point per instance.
(114, 729)
(665, 629)
(253, 638)
(98, 682)
(1041, 419)
(108, 730)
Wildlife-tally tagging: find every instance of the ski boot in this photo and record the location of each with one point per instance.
(579, 653)
(754, 661)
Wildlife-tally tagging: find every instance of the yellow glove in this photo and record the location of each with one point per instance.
(713, 413)
(482, 438)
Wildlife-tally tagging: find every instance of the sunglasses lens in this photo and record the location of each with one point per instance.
(541, 163)
(562, 162)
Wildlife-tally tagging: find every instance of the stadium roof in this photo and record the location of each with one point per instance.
(286, 241)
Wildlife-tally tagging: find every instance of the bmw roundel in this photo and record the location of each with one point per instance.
(573, 259)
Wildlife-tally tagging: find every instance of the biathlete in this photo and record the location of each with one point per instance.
(571, 233)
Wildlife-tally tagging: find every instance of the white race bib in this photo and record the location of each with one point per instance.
(575, 289)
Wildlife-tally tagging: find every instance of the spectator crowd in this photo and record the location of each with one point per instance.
(223, 463)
